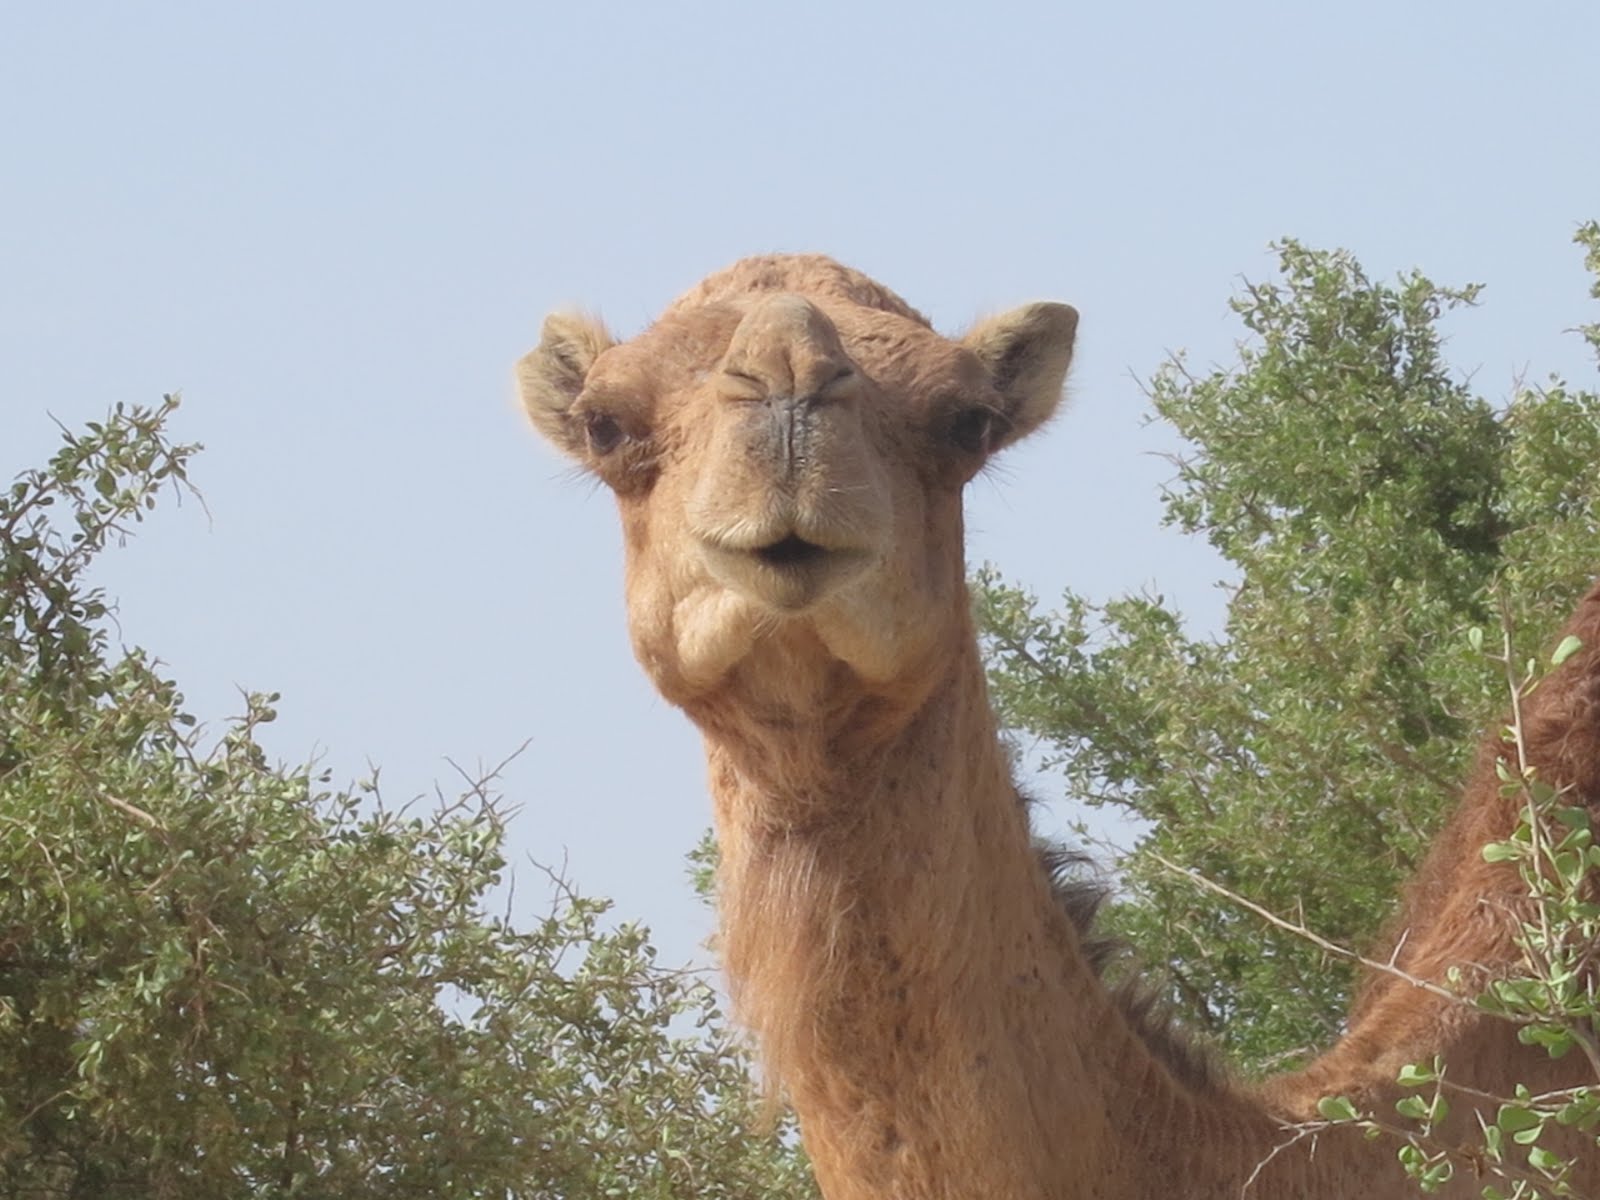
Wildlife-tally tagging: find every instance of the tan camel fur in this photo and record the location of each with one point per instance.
(787, 446)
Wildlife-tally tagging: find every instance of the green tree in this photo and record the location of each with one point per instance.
(1372, 509)
(221, 977)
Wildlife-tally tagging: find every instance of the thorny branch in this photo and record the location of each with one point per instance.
(1338, 951)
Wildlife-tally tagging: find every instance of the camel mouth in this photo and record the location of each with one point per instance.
(788, 574)
(792, 551)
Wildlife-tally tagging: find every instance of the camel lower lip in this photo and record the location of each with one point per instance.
(789, 574)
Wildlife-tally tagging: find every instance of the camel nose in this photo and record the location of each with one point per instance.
(788, 348)
(790, 426)
(785, 361)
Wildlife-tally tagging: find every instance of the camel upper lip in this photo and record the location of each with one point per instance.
(775, 545)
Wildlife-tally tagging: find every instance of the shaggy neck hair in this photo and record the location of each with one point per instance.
(895, 941)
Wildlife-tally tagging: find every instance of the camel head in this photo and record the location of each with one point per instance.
(787, 446)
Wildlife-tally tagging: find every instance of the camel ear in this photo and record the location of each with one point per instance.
(550, 377)
(1027, 352)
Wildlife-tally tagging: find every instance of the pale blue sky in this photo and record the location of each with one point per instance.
(335, 226)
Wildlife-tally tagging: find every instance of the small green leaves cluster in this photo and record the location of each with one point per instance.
(1553, 999)
(1515, 1133)
(224, 977)
(1430, 1164)
(1508, 1155)
(1588, 236)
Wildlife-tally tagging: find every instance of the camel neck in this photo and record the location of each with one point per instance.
(893, 941)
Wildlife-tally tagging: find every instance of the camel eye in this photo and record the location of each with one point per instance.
(976, 430)
(603, 432)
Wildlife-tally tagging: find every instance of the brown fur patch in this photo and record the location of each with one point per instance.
(813, 275)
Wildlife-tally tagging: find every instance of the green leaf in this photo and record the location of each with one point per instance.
(1513, 1118)
(1337, 1108)
(1436, 1175)
(1544, 1160)
(1573, 816)
(1417, 1074)
(1569, 646)
(1414, 1107)
(1555, 1040)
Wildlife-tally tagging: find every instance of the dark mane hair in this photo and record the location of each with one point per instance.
(1080, 892)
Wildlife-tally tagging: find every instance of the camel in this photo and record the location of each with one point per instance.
(787, 446)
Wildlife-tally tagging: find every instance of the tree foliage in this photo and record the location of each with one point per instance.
(221, 977)
(1372, 508)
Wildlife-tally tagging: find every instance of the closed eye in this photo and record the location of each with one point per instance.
(603, 433)
(977, 429)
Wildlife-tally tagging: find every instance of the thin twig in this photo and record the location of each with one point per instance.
(138, 814)
(1338, 951)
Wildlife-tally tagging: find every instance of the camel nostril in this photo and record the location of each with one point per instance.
(792, 551)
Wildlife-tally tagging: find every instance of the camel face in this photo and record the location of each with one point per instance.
(789, 492)
(788, 463)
